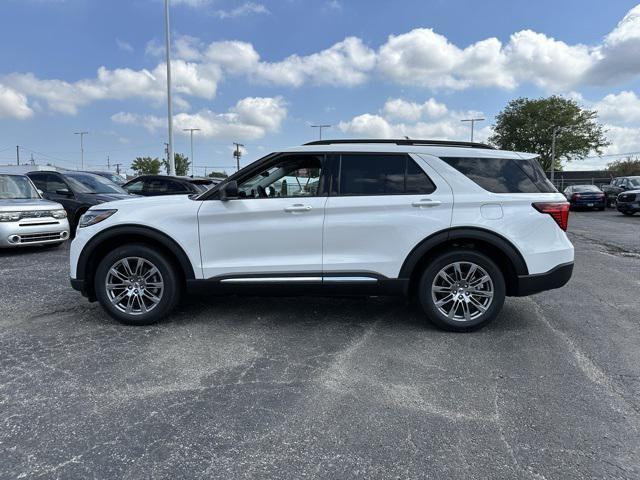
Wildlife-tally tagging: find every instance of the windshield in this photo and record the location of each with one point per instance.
(95, 183)
(17, 187)
(586, 188)
(634, 182)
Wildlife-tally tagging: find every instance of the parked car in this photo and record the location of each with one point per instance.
(619, 185)
(381, 221)
(154, 185)
(76, 191)
(585, 196)
(26, 218)
(114, 177)
(629, 202)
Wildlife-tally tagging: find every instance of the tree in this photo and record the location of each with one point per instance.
(146, 166)
(218, 174)
(527, 125)
(182, 164)
(625, 167)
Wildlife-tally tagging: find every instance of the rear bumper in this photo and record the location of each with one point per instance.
(595, 203)
(554, 278)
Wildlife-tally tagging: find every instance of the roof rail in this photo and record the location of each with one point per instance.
(435, 143)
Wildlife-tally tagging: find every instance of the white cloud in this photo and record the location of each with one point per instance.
(622, 108)
(124, 46)
(250, 119)
(247, 8)
(400, 118)
(400, 109)
(13, 104)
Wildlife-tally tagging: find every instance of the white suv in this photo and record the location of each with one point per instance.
(456, 225)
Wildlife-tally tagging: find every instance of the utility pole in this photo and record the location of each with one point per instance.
(18, 154)
(117, 165)
(33, 161)
(191, 130)
(238, 153)
(108, 163)
(320, 127)
(172, 160)
(553, 152)
(473, 122)
(82, 134)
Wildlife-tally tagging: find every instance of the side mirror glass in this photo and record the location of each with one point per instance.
(229, 191)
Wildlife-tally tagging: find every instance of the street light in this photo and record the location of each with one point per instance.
(553, 152)
(167, 33)
(193, 161)
(320, 127)
(82, 134)
(473, 122)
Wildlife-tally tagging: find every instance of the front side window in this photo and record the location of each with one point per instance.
(502, 175)
(287, 177)
(135, 187)
(379, 174)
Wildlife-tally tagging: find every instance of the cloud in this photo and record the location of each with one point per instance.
(250, 119)
(13, 104)
(247, 8)
(124, 46)
(621, 108)
(400, 118)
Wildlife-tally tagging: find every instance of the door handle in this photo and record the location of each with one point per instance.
(426, 202)
(298, 207)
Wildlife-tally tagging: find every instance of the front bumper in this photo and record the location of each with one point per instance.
(554, 278)
(24, 233)
(630, 207)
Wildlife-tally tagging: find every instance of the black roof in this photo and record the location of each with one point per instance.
(435, 143)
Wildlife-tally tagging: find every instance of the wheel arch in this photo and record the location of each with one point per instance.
(120, 235)
(502, 251)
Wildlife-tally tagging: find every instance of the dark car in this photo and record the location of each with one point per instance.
(585, 196)
(115, 178)
(619, 185)
(629, 202)
(153, 185)
(76, 191)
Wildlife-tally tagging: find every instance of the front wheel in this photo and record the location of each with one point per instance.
(136, 284)
(462, 290)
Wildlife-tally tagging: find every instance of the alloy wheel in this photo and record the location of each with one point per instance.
(134, 285)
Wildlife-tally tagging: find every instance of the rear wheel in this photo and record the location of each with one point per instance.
(136, 285)
(462, 290)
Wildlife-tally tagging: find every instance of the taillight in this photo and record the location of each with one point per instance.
(559, 211)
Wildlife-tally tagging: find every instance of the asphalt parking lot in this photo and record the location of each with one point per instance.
(326, 388)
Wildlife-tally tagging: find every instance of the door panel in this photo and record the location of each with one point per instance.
(261, 235)
(375, 233)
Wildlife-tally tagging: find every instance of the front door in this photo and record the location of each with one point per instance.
(274, 227)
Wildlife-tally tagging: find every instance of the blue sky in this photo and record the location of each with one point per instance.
(261, 72)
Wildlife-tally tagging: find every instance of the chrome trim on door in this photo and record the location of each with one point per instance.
(272, 280)
(350, 279)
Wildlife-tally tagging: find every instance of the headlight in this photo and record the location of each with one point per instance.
(9, 216)
(94, 216)
(58, 213)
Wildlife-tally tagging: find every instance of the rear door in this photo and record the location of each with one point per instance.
(380, 207)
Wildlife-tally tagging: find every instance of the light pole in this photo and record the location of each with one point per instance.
(193, 161)
(472, 121)
(82, 134)
(167, 33)
(553, 152)
(320, 127)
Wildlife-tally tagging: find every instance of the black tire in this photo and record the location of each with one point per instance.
(450, 257)
(169, 295)
(628, 213)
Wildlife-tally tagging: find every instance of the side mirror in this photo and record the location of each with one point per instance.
(64, 191)
(229, 191)
(41, 193)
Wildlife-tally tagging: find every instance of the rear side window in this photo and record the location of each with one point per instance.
(503, 175)
(365, 174)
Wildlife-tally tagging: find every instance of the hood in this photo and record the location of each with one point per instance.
(23, 204)
(126, 200)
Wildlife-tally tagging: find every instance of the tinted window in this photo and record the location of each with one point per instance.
(135, 187)
(164, 187)
(362, 174)
(499, 175)
(95, 183)
(586, 188)
(55, 183)
(40, 181)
